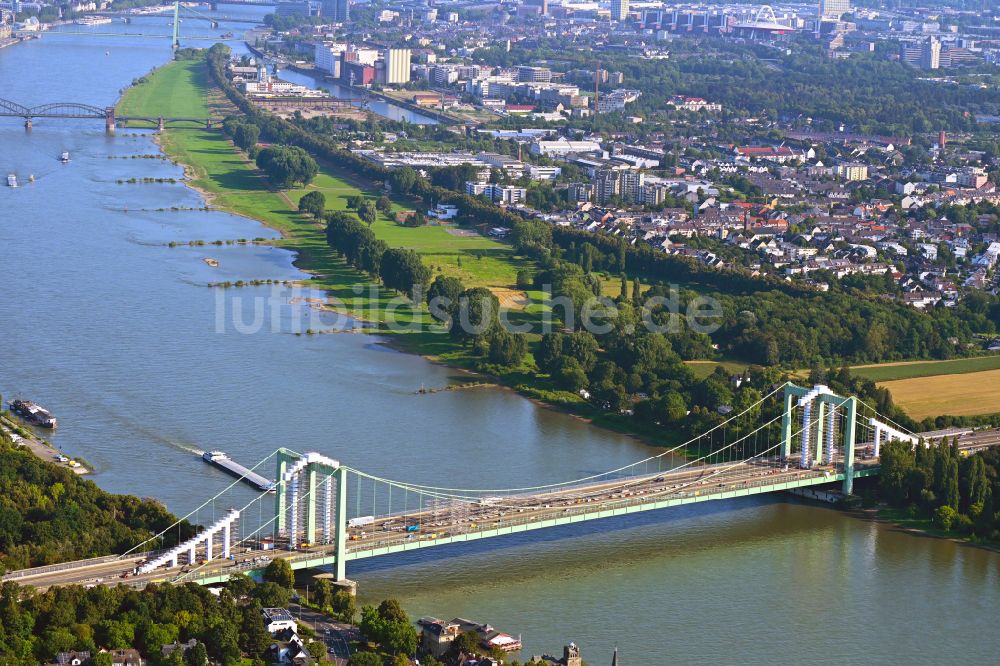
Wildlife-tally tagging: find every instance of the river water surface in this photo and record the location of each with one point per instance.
(116, 332)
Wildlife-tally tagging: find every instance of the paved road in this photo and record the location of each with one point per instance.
(336, 635)
(459, 517)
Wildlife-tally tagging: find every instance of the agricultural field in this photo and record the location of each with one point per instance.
(885, 372)
(964, 394)
(702, 369)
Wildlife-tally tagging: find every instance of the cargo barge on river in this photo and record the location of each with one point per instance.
(228, 465)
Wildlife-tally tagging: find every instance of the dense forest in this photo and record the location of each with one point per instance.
(48, 514)
(223, 626)
(937, 482)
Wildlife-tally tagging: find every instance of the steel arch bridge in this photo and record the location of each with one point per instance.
(52, 110)
(11, 109)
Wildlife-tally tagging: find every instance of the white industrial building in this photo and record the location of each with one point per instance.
(397, 66)
(328, 58)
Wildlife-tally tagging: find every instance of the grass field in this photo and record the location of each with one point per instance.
(885, 372)
(703, 369)
(965, 394)
(478, 261)
(177, 89)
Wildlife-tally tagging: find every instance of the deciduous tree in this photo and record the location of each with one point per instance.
(279, 571)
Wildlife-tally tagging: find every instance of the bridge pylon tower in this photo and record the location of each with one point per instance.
(310, 503)
(817, 432)
(175, 41)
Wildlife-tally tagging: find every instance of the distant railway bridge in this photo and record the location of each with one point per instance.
(62, 110)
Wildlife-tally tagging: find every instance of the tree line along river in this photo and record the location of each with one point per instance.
(116, 332)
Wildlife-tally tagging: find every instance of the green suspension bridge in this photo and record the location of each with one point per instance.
(179, 15)
(323, 513)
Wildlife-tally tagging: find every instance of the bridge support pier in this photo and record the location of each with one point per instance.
(160, 124)
(821, 415)
(109, 120)
(820, 409)
(27, 124)
(311, 505)
(293, 518)
(804, 460)
(831, 422)
(328, 484)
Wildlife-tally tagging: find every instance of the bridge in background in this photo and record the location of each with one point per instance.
(325, 514)
(180, 13)
(58, 110)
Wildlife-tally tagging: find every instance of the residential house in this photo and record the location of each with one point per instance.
(438, 635)
(129, 657)
(73, 658)
(278, 619)
(170, 648)
(290, 651)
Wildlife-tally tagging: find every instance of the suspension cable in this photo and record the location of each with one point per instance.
(416, 486)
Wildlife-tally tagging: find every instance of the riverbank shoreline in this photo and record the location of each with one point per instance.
(4, 43)
(40, 448)
(886, 515)
(883, 514)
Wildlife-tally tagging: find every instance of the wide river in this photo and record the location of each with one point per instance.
(115, 331)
